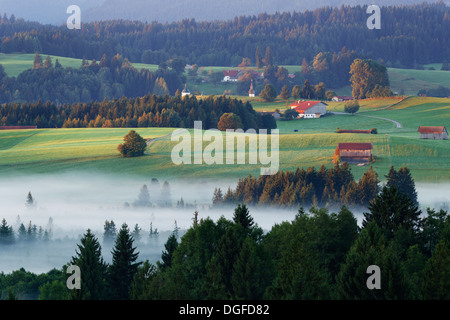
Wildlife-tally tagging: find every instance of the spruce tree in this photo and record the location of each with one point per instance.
(167, 255)
(392, 210)
(124, 265)
(109, 232)
(6, 233)
(242, 217)
(143, 198)
(92, 268)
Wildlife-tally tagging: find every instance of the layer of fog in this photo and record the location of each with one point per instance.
(75, 203)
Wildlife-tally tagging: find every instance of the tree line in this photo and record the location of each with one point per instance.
(334, 186)
(110, 77)
(411, 35)
(147, 111)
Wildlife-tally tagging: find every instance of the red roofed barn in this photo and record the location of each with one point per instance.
(355, 152)
(435, 133)
(309, 109)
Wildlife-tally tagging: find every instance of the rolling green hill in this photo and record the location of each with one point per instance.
(58, 150)
(14, 64)
(408, 81)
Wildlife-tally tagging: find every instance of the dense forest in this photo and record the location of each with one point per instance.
(317, 255)
(110, 77)
(410, 36)
(147, 111)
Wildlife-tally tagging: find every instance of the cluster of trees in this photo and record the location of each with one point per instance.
(323, 187)
(440, 91)
(411, 35)
(110, 77)
(154, 195)
(331, 68)
(146, 111)
(369, 79)
(29, 234)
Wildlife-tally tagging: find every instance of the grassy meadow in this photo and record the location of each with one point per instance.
(95, 149)
(408, 81)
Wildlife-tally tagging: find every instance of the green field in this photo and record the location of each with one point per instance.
(14, 64)
(94, 150)
(408, 81)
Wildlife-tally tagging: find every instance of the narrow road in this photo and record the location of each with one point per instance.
(398, 124)
(150, 141)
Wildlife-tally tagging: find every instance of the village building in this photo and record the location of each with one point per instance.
(251, 92)
(274, 114)
(17, 127)
(354, 152)
(230, 75)
(309, 109)
(341, 98)
(185, 91)
(434, 133)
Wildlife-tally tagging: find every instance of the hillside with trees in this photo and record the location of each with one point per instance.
(411, 35)
(146, 111)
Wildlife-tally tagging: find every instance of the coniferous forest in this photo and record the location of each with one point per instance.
(411, 35)
(317, 255)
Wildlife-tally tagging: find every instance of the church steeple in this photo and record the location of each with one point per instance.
(251, 92)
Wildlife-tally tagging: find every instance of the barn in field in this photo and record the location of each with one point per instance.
(354, 152)
(434, 133)
(17, 127)
(341, 98)
(309, 109)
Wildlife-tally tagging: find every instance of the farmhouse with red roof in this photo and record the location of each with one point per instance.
(309, 109)
(435, 133)
(354, 152)
(230, 75)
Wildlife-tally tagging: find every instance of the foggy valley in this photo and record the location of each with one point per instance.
(69, 204)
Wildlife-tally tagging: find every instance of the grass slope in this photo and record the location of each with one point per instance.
(14, 64)
(58, 150)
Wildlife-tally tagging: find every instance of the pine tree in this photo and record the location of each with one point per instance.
(109, 232)
(123, 267)
(48, 62)
(92, 268)
(436, 280)
(170, 246)
(392, 210)
(37, 61)
(268, 61)
(258, 58)
(143, 198)
(6, 233)
(217, 197)
(30, 200)
(242, 217)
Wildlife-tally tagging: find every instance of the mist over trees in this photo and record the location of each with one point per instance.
(324, 187)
